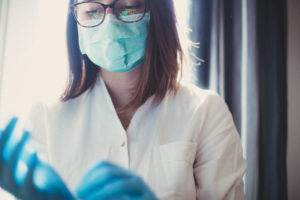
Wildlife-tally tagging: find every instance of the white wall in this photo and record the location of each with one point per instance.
(293, 159)
(35, 60)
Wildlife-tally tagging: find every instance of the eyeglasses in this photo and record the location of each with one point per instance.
(91, 14)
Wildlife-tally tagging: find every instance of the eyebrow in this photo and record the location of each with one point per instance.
(100, 1)
(90, 1)
(80, 1)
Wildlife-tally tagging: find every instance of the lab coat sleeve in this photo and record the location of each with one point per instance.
(35, 123)
(219, 165)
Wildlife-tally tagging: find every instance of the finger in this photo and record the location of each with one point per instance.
(118, 189)
(24, 159)
(99, 176)
(5, 138)
(96, 169)
(1, 132)
(101, 164)
(47, 182)
(1, 162)
(8, 170)
(28, 187)
(125, 197)
(7, 130)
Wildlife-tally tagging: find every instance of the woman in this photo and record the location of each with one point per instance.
(125, 104)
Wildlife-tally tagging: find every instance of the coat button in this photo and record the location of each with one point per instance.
(123, 144)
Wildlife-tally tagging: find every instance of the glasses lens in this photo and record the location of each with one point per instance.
(89, 14)
(130, 10)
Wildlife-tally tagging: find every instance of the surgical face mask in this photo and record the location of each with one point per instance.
(114, 45)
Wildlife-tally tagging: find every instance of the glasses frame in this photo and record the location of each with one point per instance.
(105, 6)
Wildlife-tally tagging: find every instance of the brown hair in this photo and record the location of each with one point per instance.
(161, 67)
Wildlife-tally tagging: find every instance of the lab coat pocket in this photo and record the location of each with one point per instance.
(171, 170)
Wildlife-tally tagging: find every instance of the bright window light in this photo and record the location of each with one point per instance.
(181, 8)
(35, 61)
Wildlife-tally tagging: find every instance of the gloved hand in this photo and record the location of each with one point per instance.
(22, 173)
(108, 181)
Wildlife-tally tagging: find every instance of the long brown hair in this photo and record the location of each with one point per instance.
(162, 65)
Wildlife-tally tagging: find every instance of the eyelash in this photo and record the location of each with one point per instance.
(131, 7)
(91, 11)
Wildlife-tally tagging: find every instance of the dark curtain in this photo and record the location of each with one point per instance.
(244, 46)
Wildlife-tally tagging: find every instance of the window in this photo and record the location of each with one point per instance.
(34, 62)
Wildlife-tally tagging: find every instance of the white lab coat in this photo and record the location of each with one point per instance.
(187, 147)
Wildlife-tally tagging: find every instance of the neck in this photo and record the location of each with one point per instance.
(121, 85)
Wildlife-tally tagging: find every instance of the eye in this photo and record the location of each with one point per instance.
(93, 13)
(132, 7)
(129, 10)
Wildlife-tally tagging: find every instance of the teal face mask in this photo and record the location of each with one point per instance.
(114, 45)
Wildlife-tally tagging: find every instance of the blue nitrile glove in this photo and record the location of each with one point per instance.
(108, 181)
(22, 173)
